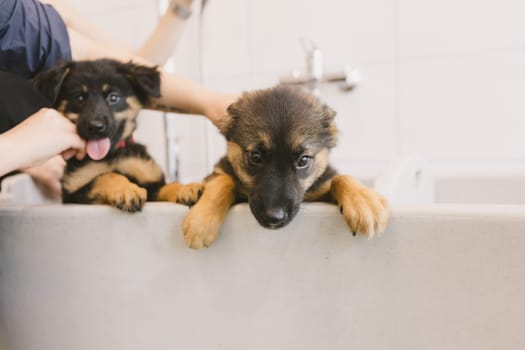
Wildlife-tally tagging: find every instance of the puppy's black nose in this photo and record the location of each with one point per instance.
(97, 126)
(275, 216)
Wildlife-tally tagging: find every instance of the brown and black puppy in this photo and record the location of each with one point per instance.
(279, 141)
(102, 97)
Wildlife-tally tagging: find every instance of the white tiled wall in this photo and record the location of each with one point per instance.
(440, 78)
(429, 27)
(468, 107)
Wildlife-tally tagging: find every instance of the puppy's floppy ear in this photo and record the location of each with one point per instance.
(226, 122)
(144, 80)
(49, 83)
(328, 114)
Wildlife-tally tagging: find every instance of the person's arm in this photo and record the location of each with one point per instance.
(41, 136)
(162, 42)
(75, 20)
(177, 93)
(157, 48)
(9, 161)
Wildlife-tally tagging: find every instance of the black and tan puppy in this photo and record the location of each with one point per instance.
(279, 140)
(103, 97)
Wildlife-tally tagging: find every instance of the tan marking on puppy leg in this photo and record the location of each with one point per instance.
(117, 191)
(365, 211)
(175, 192)
(201, 226)
(80, 177)
(144, 170)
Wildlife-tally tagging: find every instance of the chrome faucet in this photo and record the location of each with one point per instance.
(314, 76)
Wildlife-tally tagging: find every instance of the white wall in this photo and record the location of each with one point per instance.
(440, 78)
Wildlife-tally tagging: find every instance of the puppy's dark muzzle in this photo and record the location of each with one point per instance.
(275, 197)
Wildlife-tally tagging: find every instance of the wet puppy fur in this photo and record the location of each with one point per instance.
(278, 145)
(102, 97)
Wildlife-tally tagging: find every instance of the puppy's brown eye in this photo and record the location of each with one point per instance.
(303, 162)
(113, 98)
(255, 157)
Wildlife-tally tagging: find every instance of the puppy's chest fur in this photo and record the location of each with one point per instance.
(133, 161)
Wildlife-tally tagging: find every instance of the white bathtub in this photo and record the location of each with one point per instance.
(443, 276)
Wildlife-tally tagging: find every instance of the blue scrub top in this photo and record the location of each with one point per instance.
(33, 37)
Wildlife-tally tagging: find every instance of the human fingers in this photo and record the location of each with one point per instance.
(78, 145)
(75, 145)
(79, 153)
(68, 154)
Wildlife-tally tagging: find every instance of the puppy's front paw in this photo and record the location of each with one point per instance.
(129, 198)
(200, 227)
(187, 194)
(365, 211)
(116, 190)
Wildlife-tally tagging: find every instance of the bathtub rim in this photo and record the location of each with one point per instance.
(441, 210)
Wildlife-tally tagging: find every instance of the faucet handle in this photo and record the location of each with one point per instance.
(314, 59)
(348, 78)
(308, 45)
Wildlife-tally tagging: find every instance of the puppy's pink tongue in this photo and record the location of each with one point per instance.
(97, 149)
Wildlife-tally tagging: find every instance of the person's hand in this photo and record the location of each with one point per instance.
(41, 136)
(46, 134)
(48, 176)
